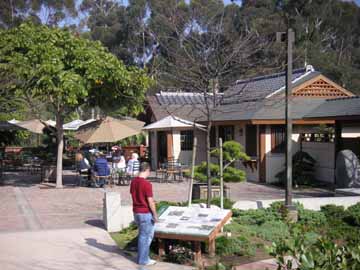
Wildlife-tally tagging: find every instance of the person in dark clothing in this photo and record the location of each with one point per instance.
(101, 168)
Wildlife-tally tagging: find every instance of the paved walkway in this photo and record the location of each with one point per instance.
(70, 249)
(25, 204)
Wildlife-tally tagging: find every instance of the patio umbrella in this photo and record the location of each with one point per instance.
(108, 130)
(170, 122)
(34, 125)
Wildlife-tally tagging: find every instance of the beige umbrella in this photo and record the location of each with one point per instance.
(34, 125)
(108, 130)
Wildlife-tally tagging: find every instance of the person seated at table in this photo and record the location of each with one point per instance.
(118, 162)
(101, 168)
(83, 165)
(133, 166)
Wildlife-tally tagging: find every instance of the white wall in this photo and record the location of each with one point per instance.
(324, 154)
(176, 143)
(350, 131)
(185, 157)
(275, 162)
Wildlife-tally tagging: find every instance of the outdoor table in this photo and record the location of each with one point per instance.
(192, 224)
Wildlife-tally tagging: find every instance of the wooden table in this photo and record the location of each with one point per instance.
(196, 240)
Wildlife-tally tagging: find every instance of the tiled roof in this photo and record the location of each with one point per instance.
(181, 98)
(261, 87)
(269, 109)
(337, 107)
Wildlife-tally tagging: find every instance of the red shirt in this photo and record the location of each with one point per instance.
(140, 190)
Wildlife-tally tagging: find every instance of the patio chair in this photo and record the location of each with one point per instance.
(173, 169)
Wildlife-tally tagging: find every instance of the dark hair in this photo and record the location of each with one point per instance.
(144, 166)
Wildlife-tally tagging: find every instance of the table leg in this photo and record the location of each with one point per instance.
(197, 252)
(212, 248)
(161, 247)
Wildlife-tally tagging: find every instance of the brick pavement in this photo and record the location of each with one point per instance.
(74, 207)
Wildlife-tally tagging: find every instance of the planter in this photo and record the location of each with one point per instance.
(200, 191)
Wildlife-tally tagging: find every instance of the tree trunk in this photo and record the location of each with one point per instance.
(60, 147)
(208, 160)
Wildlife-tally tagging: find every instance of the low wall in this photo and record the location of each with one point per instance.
(308, 203)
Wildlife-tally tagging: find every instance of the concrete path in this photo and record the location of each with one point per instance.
(70, 249)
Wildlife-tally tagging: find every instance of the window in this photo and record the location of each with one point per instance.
(278, 139)
(226, 133)
(187, 138)
(251, 140)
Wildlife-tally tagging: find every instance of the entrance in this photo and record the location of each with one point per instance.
(162, 146)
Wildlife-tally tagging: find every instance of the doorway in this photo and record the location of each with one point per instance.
(162, 147)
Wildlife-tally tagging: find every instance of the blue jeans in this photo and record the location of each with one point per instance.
(146, 227)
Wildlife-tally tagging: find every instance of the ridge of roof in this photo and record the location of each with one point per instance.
(269, 76)
(343, 98)
(301, 77)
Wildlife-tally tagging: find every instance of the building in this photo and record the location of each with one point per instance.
(252, 112)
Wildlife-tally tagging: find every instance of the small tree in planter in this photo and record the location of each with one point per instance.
(232, 151)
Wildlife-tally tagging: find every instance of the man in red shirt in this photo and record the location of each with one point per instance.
(144, 213)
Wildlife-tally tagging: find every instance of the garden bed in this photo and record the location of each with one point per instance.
(255, 234)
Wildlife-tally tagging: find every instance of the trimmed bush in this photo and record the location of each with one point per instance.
(353, 215)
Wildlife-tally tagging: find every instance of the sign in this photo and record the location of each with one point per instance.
(192, 221)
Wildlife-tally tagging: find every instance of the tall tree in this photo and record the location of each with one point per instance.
(201, 49)
(60, 69)
(14, 12)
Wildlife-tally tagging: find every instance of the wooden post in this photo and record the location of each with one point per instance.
(197, 252)
(212, 248)
(161, 247)
(221, 175)
(192, 171)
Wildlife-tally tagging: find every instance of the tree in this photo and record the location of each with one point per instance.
(201, 47)
(60, 69)
(15, 12)
(233, 151)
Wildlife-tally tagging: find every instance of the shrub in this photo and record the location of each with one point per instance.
(303, 169)
(234, 246)
(311, 218)
(272, 231)
(322, 254)
(353, 215)
(332, 211)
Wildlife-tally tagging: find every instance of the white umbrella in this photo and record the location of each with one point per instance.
(170, 122)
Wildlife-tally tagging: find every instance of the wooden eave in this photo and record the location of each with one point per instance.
(296, 122)
(297, 90)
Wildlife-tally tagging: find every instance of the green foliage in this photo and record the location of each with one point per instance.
(332, 211)
(240, 246)
(57, 67)
(303, 169)
(353, 215)
(232, 151)
(125, 237)
(272, 230)
(322, 254)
